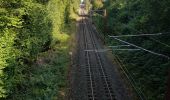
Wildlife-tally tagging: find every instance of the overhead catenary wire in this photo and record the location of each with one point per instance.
(128, 75)
(141, 48)
(160, 42)
(130, 78)
(126, 49)
(137, 35)
(152, 52)
(156, 34)
(119, 46)
(104, 50)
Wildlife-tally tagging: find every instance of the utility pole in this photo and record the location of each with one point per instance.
(105, 25)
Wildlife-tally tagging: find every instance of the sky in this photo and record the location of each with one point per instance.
(82, 0)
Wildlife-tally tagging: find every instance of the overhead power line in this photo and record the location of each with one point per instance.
(119, 46)
(158, 54)
(126, 49)
(130, 78)
(105, 50)
(160, 42)
(136, 35)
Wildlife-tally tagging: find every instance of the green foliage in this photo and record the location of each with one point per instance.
(28, 28)
(43, 1)
(73, 9)
(25, 32)
(97, 4)
(136, 17)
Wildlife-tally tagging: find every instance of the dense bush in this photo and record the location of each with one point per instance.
(28, 28)
(25, 32)
(136, 17)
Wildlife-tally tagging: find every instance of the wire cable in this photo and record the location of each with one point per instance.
(160, 42)
(137, 35)
(158, 54)
(130, 78)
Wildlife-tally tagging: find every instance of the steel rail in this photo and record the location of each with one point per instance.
(88, 61)
(100, 62)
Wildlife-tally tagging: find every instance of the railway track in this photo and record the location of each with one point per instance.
(93, 76)
(107, 84)
(108, 93)
(89, 75)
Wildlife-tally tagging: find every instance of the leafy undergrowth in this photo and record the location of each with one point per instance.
(47, 78)
(49, 74)
(35, 40)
